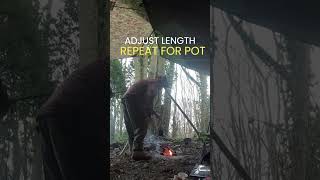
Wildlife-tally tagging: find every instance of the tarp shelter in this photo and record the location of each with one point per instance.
(183, 18)
(295, 19)
(126, 21)
(168, 18)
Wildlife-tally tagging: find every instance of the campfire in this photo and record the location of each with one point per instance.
(159, 146)
(167, 151)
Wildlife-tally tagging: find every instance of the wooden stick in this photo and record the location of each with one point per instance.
(189, 76)
(124, 148)
(233, 160)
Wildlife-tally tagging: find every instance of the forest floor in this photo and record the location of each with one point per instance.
(187, 155)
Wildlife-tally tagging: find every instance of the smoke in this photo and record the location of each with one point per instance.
(154, 143)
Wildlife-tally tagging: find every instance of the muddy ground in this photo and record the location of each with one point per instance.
(188, 154)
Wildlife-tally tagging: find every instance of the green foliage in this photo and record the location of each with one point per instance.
(117, 77)
(31, 41)
(25, 74)
(64, 47)
(122, 138)
(170, 72)
(24, 54)
(204, 137)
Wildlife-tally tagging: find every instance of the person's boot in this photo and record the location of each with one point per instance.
(140, 155)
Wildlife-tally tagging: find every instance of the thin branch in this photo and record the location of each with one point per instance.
(185, 115)
(190, 77)
(233, 160)
(258, 50)
(124, 148)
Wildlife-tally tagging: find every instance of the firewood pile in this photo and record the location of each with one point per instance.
(185, 154)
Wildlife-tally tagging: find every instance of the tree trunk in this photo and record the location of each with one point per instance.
(174, 118)
(120, 119)
(167, 101)
(153, 67)
(140, 68)
(174, 124)
(204, 103)
(113, 120)
(196, 112)
(298, 86)
(119, 115)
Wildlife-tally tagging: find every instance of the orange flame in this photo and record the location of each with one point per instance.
(167, 152)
